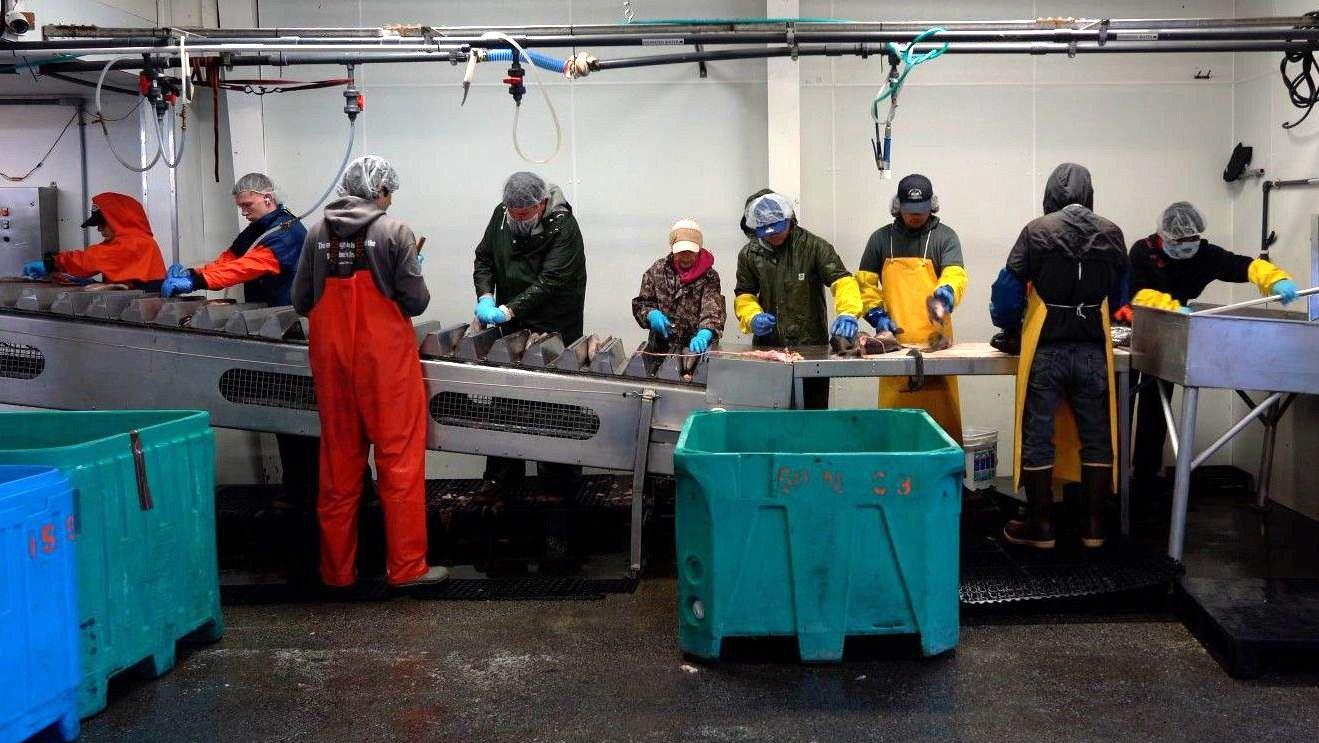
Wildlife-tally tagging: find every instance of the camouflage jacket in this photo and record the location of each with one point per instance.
(689, 307)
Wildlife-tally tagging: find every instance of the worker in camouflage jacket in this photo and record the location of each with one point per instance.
(680, 299)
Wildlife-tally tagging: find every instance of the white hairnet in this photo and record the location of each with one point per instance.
(367, 176)
(256, 183)
(524, 189)
(1180, 221)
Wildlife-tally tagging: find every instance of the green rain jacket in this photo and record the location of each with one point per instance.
(789, 282)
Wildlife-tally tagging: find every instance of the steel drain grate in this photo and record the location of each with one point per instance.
(514, 415)
(19, 361)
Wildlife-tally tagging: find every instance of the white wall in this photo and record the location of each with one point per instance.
(988, 130)
(642, 149)
(1261, 105)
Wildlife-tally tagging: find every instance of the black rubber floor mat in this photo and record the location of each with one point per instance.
(536, 588)
(993, 573)
(1255, 625)
(597, 492)
(525, 589)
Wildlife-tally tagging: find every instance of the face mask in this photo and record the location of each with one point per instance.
(1181, 251)
(521, 228)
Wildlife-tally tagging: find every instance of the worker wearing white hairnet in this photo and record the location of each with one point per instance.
(359, 281)
(1168, 269)
(264, 256)
(529, 273)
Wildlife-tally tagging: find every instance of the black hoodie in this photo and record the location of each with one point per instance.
(1074, 257)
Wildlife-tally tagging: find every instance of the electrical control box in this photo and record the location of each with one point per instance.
(29, 226)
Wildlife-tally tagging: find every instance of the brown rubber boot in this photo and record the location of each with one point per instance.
(1036, 530)
(1096, 488)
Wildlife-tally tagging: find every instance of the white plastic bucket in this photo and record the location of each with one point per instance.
(981, 447)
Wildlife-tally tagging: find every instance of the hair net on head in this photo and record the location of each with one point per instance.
(523, 189)
(256, 183)
(367, 176)
(768, 209)
(1180, 221)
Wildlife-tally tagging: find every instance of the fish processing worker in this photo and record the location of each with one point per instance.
(915, 260)
(263, 257)
(359, 282)
(1168, 269)
(680, 298)
(127, 254)
(1065, 271)
(530, 274)
(781, 275)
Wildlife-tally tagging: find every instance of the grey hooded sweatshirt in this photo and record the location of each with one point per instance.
(391, 255)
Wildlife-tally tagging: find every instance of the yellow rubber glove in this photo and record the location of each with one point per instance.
(1264, 275)
(1156, 299)
(871, 295)
(847, 296)
(955, 278)
(746, 306)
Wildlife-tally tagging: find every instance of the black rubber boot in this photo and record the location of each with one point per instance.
(1096, 489)
(1036, 530)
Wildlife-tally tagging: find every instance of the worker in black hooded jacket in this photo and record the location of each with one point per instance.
(1065, 272)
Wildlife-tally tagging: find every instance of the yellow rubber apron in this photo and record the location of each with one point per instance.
(1066, 441)
(905, 284)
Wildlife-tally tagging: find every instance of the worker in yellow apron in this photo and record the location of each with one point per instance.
(906, 265)
(1065, 271)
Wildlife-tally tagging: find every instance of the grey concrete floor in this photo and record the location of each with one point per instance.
(414, 670)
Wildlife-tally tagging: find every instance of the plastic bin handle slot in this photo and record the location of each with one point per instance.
(917, 381)
(140, 468)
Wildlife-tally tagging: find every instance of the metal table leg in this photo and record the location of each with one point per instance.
(1181, 489)
(1123, 382)
(647, 412)
(1270, 419)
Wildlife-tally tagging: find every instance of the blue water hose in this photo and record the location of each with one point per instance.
(543, 61)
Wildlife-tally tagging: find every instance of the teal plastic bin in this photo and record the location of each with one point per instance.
(144, 498)
(38, 605)
(819, 524)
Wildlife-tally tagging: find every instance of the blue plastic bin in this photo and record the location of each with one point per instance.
(144, 493)
(38, 604)
(819, 524)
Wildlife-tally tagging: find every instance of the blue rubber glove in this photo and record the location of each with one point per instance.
(701, 341)
(763, 324)
(173, 285)
(177, 271)
(944, 293)
(487, 312)
(1286, 288)
(880, 320)
(658, 322)
(1184, 310)
(844, 327)
(35, 269)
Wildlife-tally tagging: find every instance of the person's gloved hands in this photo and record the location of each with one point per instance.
(844, 327)
(35, 270)
(1286, 288)
(1184, 310)
(701, 341)
(880, 320)
(173, 285)
(763, 324)
(944, 293)
(659, 322)
(177, 271)
(487, 312)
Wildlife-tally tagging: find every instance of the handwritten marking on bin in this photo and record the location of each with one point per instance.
(879, 485)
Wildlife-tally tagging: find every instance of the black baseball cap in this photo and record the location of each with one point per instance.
(915, 194)
(97, 219)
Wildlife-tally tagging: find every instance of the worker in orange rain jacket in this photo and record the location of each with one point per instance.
(127, 254)
(264, 256)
